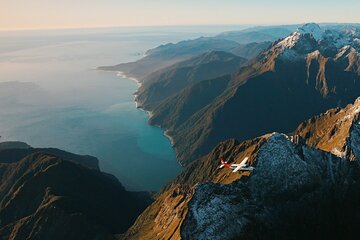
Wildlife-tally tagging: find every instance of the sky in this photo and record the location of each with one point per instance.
(48, 14)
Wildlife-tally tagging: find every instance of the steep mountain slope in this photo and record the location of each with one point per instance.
(177, 109)
(164, 83)
(169, 54)
(43, 196)
(295, 192)
(298, 77)
(334, 131)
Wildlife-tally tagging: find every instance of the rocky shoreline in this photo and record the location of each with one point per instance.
(150, 113)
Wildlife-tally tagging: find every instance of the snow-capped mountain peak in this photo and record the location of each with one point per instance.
(313, 29)
(293, 46)
(311, 37)
(310, 28)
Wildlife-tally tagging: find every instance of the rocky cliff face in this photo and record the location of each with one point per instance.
(296, 191)
(44, 196)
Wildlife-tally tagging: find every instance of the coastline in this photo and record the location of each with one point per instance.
(171, 139)
(150, 114)
(123, 75)
(139, 84)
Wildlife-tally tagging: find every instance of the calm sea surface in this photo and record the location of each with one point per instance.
(52, 96)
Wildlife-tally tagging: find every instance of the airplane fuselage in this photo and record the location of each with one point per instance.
(237, 167)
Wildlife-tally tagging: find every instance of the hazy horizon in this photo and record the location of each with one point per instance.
(241, 26)
(50, 14)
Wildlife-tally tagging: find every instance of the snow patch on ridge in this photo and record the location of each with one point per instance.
(342, 52)
(289, 42)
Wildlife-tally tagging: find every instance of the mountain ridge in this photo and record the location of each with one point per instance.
(310, 185)
(296, 67)
(164, 83)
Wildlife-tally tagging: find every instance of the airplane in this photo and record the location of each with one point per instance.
(237, 167)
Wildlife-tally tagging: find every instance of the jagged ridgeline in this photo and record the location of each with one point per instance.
(222, 90)
(304, 186)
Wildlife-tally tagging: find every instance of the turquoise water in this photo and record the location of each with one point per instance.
(52, 96)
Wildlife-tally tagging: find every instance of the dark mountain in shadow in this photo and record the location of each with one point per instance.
(13, 144)
(52, 194)
(10, 155)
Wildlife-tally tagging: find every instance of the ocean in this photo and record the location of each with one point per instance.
(51, 95)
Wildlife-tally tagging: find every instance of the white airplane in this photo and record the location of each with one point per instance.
(237, 167)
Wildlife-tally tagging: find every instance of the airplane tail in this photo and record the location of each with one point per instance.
(222, 163)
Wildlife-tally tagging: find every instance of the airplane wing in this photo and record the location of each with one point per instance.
(237, 169)
(243, 163)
